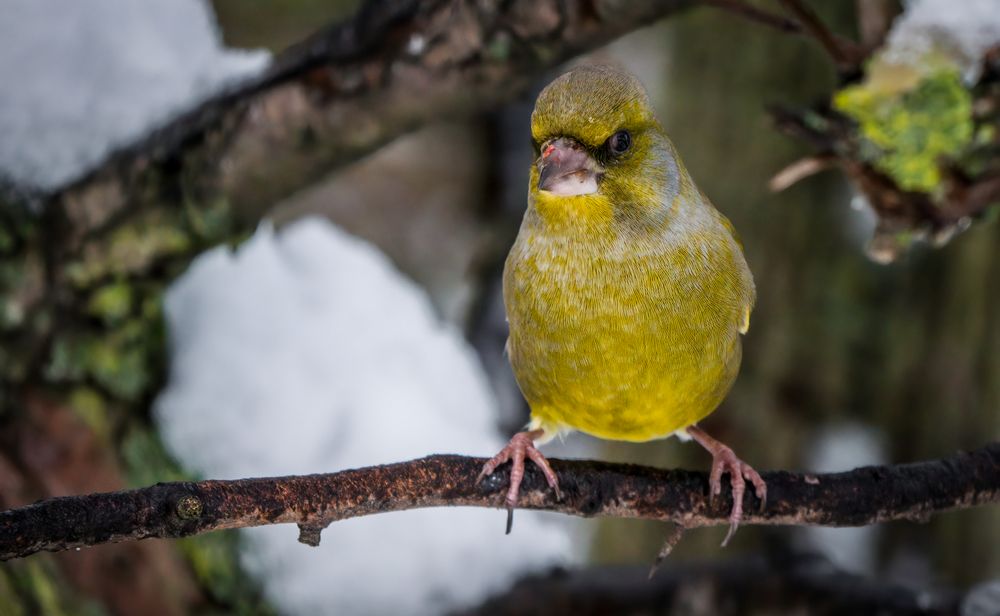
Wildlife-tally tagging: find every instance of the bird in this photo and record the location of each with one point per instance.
(626, 291)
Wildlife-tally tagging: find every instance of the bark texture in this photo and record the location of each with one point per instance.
(863, 496)
(346, 90)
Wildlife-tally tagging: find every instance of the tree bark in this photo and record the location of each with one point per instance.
(343, 92)
(863, 496)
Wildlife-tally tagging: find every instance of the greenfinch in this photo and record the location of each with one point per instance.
(626, 291)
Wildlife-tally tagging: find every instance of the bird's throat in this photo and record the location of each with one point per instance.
(582, 214)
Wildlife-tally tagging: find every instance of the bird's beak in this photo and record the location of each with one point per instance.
(565, 168)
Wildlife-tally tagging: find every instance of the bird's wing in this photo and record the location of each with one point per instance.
(748, 306)
(729, 227)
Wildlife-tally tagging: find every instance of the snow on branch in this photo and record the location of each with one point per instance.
(343, 92)
(862, 496)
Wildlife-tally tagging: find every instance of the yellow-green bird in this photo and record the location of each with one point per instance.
(626, 290)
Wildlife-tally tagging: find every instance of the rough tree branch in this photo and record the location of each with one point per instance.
(342, 93)
(862, 496)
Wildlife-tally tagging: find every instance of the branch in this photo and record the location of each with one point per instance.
(874, 22)
(756, 14)
(342, 93)
(862, 496)
(846, 55)
(909, 214)
(776, 582)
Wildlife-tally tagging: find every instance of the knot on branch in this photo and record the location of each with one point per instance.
(189, 507)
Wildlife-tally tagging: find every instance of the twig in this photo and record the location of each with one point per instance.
(845, 54)
(862, 496)
(675, 536)
(753, 13)
(874, 21)
(914, 214)
(799, 170)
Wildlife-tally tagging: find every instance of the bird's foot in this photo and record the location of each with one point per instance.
(725, 461)
(521, 446)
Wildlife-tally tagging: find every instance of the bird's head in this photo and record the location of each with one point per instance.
(600, 152)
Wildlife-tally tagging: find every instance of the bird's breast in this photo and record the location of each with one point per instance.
(624, 338)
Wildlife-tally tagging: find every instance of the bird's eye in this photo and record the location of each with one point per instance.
(620, 142)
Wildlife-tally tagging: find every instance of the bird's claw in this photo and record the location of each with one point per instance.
(521, 446)
(725, 461)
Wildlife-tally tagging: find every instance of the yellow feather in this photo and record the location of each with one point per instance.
(625, 305)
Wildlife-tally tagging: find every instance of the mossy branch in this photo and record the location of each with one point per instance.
(209, 174)
(340, 94)
(862, 496)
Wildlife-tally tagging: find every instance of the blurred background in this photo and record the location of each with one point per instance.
(362, 323)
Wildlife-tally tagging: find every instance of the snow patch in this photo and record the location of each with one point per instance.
(961, 30)
(305, 351)
(83, 78)
(841, 448)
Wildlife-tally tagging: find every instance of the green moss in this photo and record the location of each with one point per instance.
(107, 359)
(124, 360)
(7, 240)
(986, 134)
(992, 213)
(146, 460)
(11, 313)
(214, 560)
(90, 406)
(211, 223)
(138, 245)
(130, 249)
(498, 49)
(43, 589)
(9, 605)
(36, 586)
(119, 362)
(18, 226)
(111, 302)
(66, 360)
(20, 278)
(913, 130)
(213, 557)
